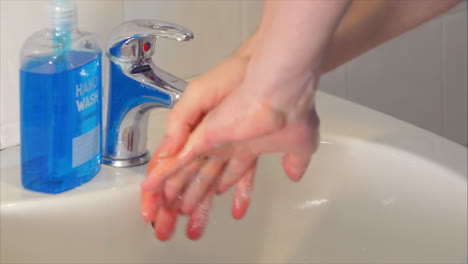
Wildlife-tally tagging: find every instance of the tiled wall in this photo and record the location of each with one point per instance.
(216, 25)
(19, 19)
(420, 77)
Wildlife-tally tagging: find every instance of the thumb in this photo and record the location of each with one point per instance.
(295, 165)
(200, 142)
(182, 118)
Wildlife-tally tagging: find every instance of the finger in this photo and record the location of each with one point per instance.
(295, 165)
(241, 199)
(162, 150)
(199, 218)
(235, 169)
(202, 95)
(215, 130)
(175, 184)
(158, 171)
(197, 189)
(296, 162)
(164, 223)
(182, 118)
(150, 203)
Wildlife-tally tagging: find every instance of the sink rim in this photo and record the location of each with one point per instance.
(337, 115)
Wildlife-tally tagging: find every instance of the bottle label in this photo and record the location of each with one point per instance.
(86, 143)
(87, 93)
(86, 146)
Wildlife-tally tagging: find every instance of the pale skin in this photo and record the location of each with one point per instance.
(261, 100)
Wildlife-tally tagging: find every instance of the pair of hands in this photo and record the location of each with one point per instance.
(215, 134)
(260, 100)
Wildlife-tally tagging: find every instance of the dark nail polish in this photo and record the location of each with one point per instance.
(152, 224)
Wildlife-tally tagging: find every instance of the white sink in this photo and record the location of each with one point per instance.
(378, 190)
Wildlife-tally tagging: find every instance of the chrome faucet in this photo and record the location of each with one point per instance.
(137, 86)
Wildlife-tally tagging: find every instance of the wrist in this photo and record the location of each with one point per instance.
(280, 88)
(247, 49)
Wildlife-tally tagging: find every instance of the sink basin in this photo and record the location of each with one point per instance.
(378, 190)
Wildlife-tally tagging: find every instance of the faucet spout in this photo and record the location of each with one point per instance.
(133, 93)
(136, 86)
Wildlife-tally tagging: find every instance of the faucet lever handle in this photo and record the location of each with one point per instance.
(165, 29)
(134, 40)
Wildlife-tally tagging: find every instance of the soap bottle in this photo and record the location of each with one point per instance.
(60, 104)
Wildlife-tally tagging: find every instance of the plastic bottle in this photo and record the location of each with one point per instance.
(60, 101)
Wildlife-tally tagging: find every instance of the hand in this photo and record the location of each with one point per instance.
(260, 100)
(201, 96)
(229, 118)
(163, 215)
(160, 203)
(260, 119)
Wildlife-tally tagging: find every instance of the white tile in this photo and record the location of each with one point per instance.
(100, 17)
(251, 16)
(215, 24)
(19, 19)
(9, 135)
(334, 82)
(455, 77)
(461, 7)
(403, 77)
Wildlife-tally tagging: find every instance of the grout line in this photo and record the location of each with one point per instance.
(243, 30)
(122, 3)
(443, 76)
(346, 85)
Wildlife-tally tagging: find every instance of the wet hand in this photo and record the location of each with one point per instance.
(233, 135)
(163, 214)
(230, 116)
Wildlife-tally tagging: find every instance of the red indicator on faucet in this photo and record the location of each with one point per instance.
(146, 46)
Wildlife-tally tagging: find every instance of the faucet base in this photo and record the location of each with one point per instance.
(119, 163)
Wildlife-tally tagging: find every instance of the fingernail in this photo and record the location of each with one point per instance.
(299, 173)
(152, 224)
(146, 216)
(165, 148)
(163, 155)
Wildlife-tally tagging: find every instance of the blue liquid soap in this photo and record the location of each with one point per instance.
(60, 101)
(60, 122)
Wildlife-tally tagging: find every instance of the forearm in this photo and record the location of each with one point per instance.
(294, 34)
(368, 24)
(287, 50)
